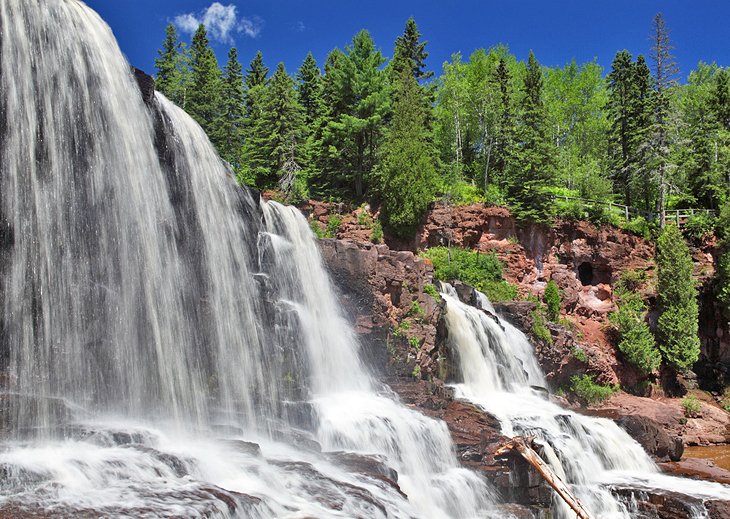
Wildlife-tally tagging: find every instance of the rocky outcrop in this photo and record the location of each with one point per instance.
(652, 437)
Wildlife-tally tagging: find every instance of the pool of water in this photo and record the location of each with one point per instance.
(719, 454)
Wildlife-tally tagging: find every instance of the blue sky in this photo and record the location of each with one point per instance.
(558, 30)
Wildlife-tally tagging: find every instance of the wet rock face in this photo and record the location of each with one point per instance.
(652, 437)
(382, 292)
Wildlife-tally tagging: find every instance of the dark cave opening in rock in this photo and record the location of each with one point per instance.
(585, 273)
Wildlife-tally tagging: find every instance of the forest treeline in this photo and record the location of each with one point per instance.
(490, 127)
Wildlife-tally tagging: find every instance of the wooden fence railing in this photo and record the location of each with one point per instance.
(679, 216)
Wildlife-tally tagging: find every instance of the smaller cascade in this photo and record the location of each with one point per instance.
(500, 373)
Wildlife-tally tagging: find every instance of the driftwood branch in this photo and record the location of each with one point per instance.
(524, 448)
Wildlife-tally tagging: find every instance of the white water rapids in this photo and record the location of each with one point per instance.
(170, 345)
(499, 370)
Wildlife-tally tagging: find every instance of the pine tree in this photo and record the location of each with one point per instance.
(622, 90)
(407, 171)
(204, 99)
(531, 170)
(172, 64)
(505, 125)
(284, 128)
(255, 161)
(678, 321)
(665, 69)
(309, 87)
(642, 116)
(410, 53)
(231, 123)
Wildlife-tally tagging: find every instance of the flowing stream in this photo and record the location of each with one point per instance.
(500, 373)
(170, 345)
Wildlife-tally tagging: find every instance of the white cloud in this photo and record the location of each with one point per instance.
(221, 21)
(300, 27)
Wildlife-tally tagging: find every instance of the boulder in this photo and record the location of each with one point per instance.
(652, 437)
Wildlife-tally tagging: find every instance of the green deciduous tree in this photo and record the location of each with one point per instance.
(677, 325)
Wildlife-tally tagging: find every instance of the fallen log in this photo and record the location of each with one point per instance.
(523, 447)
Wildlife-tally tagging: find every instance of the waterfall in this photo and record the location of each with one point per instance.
(171, 345)
(499, 373)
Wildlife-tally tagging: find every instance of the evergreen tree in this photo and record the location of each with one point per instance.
(255, 163)
(284, 129)
(231, 123)
(665, 69)
(621, 84)
(531, 170)
(504, 131)
(642, 114)
(204, 99)
(356, 86)
(410, 53)
(678, 321)
(172, 64)
(407, 169)
(309, 87)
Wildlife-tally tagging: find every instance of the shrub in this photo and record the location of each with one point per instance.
(635, 340)
(589, 391)
(431, 290)
(552, 300)
(376, 236)
(482, 271)
(333, 225)
(599, 215)
(364, 219)
(638, 226)
(691, 406)
(579, 354)
(678, 322)
(415, 342)
(722, 288)
(316, 228)
(416, 310)
(699, 226)
(539, 328)
(416, 373)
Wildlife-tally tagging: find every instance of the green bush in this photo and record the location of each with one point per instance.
(416, 310)
(333, 225)
(579, 354)
(376, 236)
(364, 219)
(699, 227)
(431, 290)
(638, 226)
(589, 391)
(316, 228)
(552, 300)
(482, 271)
(691, 406)
(635, 340)
(539, 327)
(722, 289)
(678, 323)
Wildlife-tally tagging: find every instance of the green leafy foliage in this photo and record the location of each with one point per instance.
(552, 300)
(376, 236)
(431, 290)
(482, 271)
(539, 327)
(589, 391)
(691, 406)
(333, 225)
(678, 321)
(635, 340)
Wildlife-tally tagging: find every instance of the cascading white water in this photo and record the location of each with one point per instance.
(499, 371)
(157, 320)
